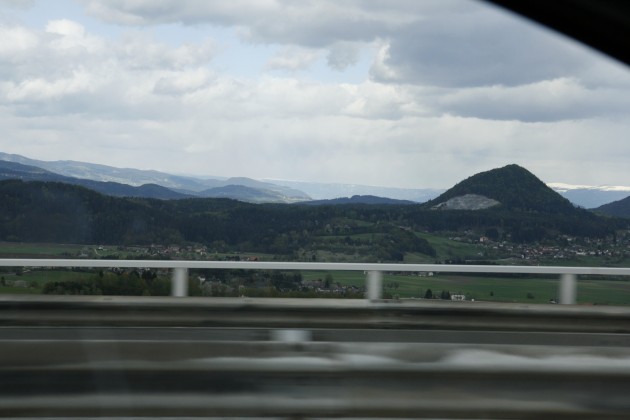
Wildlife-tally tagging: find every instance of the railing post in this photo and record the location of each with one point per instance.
(568, 289)
(179, 282)
(374, 285)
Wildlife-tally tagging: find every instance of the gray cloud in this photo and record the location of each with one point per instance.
(550, 100)
(343, 55)
(480, 47)
(312, 24)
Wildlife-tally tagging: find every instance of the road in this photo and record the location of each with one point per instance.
(132, 357)
(213, 335)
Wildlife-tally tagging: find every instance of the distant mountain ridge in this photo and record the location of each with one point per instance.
(142, 183)
(14, 170)
(591, 196)
(277, 191)
(238, 188)
(103, 173)
(258, 191)
(358, 199)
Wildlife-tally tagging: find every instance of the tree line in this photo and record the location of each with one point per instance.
(62, 213)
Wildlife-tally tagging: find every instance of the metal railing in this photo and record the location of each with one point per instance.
(179, 279)
(112, 356)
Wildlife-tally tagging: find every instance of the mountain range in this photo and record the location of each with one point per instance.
(131, 182)
(504, 204)
(14, 170)
(126, 182)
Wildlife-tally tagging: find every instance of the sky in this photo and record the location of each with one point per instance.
(398, 93)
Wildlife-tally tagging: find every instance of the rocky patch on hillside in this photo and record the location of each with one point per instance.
(467, 202)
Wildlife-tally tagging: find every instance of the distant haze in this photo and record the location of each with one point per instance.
(319, 191)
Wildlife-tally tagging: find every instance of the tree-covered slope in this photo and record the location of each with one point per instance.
(619, 208)
(63, 213)
(57, 212)
(514, 187)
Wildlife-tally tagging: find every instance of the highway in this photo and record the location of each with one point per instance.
(201, 335)
(123, 357)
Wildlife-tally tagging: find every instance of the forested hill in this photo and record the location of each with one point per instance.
(62, 213)
(619, 208)
(514, 187)
(57, 212)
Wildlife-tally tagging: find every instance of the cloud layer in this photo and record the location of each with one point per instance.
(449, 88)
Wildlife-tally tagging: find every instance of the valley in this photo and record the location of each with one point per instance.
(504, 216)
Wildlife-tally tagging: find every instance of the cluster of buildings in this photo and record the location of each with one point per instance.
(320, 286)
(568, 248)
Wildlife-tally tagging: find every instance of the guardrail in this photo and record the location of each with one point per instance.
(567, 289)
(118, 356)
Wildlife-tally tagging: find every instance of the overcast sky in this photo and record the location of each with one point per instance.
(393, 93)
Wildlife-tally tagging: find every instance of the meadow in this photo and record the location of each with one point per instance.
(34, 280)
(531, 289)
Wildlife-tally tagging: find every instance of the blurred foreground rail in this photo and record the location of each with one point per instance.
(374, 272)
(95, 357)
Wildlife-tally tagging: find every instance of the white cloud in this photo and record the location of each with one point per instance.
(292, 59)
(377, 101)
(65, 27)
(182, 82)
(16, 40)
(380, 70)
(66, 69)
(42, 89)
(70, 38)
(140, 52)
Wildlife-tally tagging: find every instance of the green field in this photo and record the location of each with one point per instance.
(39, 250)
(589, 261)
(447, 248)
(497, 289)
(36, 279)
